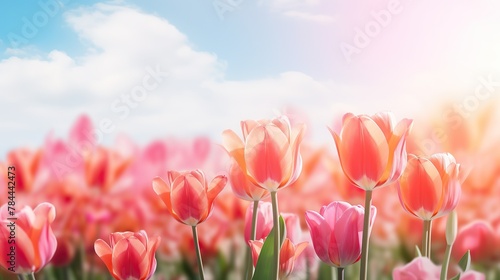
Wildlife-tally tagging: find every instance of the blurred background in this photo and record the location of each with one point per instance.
(98, 97)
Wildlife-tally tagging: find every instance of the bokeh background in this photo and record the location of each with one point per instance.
(150, 85)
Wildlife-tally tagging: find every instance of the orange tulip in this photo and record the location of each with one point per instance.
(269, 152)
(372, 150)
(288, 255)
(131, 256)
(28, 243)
(430, 187)
(188, 196)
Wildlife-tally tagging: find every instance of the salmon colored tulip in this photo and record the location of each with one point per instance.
(288, 255)
(129, 256)
(33, 241)
(430, 187)
(269, 152)
(372, 150)
(243, 187)
(188, 196)
(336, 232)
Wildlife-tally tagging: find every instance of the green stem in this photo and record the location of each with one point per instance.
(249, 269)
(198, 253)
(30, 276)
(340, 273)
(366, 236)
(426, 239)
(277, 243)
(20, 277)
(446, 262)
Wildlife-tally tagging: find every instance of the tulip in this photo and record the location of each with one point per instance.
(243, 187)
(336, 232)
(429, 188)
(269, 152)
(34, 242)
(479, 238)
(188, 196)
(269, 155)
(288, 255)
(130, 256)
(189, 200)
(372, 152)
(422, 268)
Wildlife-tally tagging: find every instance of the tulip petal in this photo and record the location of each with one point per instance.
(127, 258)
(421, 187)
(268, 157)
(348, 236)
(189, 200)
(320, 235)
(216, 186)
(104, 252)
(235, 147)
(363, 151)
(386, 122)
(162, 189)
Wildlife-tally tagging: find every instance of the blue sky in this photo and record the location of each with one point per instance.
(315, 58)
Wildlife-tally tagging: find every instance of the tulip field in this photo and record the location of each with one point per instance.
(384, 199)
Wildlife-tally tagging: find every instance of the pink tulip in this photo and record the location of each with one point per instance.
(188, 196)
(479, 238)
(430, 187)
(269, 152)
(288, 255)
(422, 268)
(336, 232)
(34, 242)
(372, 150)
(130, 256)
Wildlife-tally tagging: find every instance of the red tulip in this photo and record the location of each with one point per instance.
(33, 241)
(269, 152)
(131, 256)
(188, 196)
(372, 150)
(336, 232)
(288, 255)
(430, 187)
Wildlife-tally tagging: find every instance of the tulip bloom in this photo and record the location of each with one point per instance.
(269, 152)
(130, 256)
(372, 150)
(423, 268)
(288, 255)
(336, 232)
(243, 187)
(188, 196)
(430, 187)
(34, 243)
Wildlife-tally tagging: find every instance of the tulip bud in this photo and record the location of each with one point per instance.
(451, 228)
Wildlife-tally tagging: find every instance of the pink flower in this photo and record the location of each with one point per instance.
(336, 232)
(430, 187)
(188, 196)
(34, 243)
(288, 255)
(269, 152)
(479, 238)
(372, 150)
(131, 256)
(423, 268)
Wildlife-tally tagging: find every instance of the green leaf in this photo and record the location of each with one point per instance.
(419, 254)
(265, 263)
(464, 262)
(457, 277)
(325, 272)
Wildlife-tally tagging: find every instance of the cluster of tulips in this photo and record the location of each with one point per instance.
(122, 210)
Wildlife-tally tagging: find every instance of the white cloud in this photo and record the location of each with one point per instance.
(48, 91)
